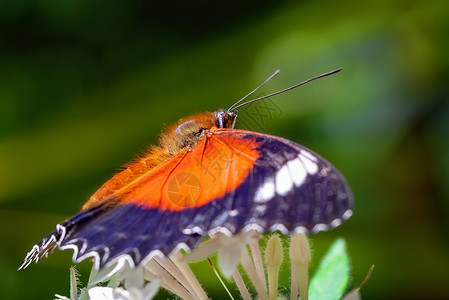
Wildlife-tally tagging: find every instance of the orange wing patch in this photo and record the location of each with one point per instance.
(218, 164)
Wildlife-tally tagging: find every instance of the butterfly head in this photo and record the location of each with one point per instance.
(225, 118)
(189, 131)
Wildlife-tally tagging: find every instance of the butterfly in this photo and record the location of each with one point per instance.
(204, 177)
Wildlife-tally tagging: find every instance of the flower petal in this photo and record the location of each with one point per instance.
(105, 273)
(151, 289)
(101, 293)
(134, 278)
(206, 249)
(228, 259)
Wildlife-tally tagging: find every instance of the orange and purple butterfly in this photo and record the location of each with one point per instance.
(204, 177)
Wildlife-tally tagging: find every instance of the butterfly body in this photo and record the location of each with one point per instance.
(203, 177)
(176, 139)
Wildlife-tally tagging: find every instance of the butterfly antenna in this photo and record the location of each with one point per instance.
(258, 87)
(234, 107)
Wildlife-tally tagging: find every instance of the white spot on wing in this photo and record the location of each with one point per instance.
(253, 226)
(335, 223)
(347, 214)
(279, 227)
(320, 227)
(309, 155)
(297, 170)
(284, 181)
(261, 209)
(301, 229)
(310, 166)
(195, 229)
(220, 229)
(265, 192)
(233, 213)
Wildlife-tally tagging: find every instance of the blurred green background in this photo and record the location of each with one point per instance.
(87, 85)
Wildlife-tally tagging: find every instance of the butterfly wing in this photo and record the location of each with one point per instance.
(232, 181)
(289, 188)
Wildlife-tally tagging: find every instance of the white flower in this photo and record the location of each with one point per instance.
(174, 274)
(107, 293)
(134, 287)
(229, 250)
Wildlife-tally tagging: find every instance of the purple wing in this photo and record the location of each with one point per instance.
(290, 189)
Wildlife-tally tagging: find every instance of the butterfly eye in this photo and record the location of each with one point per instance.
(226, 119)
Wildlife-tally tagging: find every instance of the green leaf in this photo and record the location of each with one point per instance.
(332, 276)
